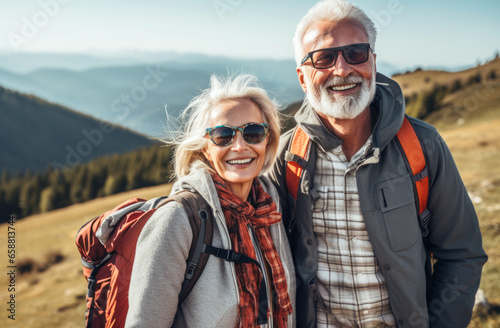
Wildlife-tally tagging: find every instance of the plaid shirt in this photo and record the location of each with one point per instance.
(351, 287)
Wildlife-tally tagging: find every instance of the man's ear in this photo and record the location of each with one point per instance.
(301, 77)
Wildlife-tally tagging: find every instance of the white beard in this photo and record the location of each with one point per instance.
(341, 107)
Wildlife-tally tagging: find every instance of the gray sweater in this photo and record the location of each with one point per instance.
(160, 263)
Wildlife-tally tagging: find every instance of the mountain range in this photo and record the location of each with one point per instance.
(58, 115)
(143, 93)
(29, 62)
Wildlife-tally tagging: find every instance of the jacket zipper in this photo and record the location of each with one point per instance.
(370, 160)
(260, 259)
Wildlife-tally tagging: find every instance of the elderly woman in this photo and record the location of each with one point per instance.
(231, 138)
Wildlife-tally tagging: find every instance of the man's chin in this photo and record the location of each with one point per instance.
(342, 114)
(339, 111)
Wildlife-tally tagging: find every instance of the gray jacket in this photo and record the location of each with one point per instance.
(160, 264)
(419, 298)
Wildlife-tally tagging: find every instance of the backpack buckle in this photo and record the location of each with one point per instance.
(223, 254)
(91, 287)
(190, 270)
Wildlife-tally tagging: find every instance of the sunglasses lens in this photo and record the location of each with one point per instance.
(324, 59)
(222, 136)
(254, 133)
(356, 54)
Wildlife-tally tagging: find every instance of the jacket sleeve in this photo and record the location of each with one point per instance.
(278, 177)
(454, 240)
(159, 266)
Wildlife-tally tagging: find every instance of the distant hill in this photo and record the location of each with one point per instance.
(449, 98)
(136, 96)
(421, 79)
(28, 62)
(134, 90)
(35, 133)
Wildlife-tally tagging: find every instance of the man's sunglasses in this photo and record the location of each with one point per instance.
(223, 135)
(354, 54)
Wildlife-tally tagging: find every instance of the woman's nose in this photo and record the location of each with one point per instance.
(239, 142)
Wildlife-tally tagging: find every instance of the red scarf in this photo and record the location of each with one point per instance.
(239, 215)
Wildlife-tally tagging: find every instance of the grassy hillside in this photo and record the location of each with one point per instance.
(420, 80)
(35, 134)
(445, 99)
(476, 150)
(54, 297)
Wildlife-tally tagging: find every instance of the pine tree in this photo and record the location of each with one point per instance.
(5, 177)
(48, 200)
(29, 197)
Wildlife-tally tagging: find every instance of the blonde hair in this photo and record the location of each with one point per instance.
(193, 141)
(332, 11)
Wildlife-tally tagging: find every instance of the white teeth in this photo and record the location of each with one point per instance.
(342, 87)
(240, 161)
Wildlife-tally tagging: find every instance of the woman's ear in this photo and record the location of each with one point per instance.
(206, 153)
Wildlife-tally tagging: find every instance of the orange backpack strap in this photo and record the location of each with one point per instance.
(296, 158)
(416, 164)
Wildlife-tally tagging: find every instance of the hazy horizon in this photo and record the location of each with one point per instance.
(410, 33)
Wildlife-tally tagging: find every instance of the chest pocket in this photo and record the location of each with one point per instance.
(320, 202)
(397, 203)
(321, 219)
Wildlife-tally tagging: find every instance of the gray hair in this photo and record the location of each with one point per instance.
(332, 11)
(193, 141)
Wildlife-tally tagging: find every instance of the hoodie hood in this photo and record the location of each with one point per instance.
(198, 180)
(388, 103)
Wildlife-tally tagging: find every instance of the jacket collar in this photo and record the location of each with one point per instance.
(388, 105)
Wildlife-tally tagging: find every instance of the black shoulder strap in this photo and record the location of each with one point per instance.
(201, 221)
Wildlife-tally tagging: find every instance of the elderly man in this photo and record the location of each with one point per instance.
(361, 257)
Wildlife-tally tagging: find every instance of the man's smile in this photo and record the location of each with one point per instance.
(343, 87)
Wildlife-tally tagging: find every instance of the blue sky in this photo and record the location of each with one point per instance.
(428, 33)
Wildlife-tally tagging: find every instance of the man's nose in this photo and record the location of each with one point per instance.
(342, 67)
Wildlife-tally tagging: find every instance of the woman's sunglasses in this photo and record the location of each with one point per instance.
(223, 135)
(354, 54)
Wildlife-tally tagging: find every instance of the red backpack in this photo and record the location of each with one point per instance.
(108, 242)
(107, 260)
(409, 145)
